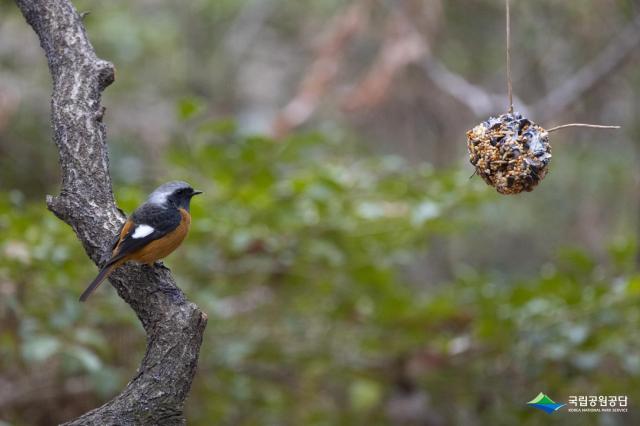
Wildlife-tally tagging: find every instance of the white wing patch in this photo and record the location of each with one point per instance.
(142, 231)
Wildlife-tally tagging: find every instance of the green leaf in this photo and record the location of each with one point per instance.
(88, 360)
(39, 348)
(364, 394)
(189, 107)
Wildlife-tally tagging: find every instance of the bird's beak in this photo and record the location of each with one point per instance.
(196, 192)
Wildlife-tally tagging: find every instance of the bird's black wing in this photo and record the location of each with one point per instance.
(162, 220)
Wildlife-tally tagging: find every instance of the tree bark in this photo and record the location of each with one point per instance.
(174, 326)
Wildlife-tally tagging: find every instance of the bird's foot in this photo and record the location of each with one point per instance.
(159, 264)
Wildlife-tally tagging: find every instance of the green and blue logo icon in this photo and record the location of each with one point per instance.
(544, 403)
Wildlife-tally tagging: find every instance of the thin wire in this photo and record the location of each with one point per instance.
(593, 126)
(509, 85)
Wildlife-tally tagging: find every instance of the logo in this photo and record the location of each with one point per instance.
(544, 403)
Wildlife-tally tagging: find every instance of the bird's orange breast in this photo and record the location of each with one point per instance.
(162, 247)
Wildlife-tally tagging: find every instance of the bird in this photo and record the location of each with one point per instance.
(152, 232)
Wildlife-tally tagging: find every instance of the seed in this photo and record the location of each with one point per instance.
(509, 152)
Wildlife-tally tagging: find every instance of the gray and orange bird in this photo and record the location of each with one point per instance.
(152, 232)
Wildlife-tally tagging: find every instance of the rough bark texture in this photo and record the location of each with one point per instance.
(174, 326)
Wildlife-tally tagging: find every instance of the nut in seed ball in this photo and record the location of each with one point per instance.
(510, 152)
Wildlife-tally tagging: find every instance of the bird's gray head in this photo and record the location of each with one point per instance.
(177, 194)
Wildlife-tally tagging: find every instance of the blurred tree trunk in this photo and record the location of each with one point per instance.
(174, 326)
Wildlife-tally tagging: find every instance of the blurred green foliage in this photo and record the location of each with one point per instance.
(297, 262)
(300, 253)
(343, 285)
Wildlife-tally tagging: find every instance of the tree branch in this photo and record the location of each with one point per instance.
(601, 67)
(174, 326)
(330, 53)
(478, 100)
(483, 103)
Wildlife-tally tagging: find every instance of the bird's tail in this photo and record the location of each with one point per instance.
(102, 275)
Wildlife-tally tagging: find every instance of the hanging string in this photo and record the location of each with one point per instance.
(593, 126)
(509, 85)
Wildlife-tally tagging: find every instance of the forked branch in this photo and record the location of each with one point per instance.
(174, 326)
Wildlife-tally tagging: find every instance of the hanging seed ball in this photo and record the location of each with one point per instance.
(509, 152)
